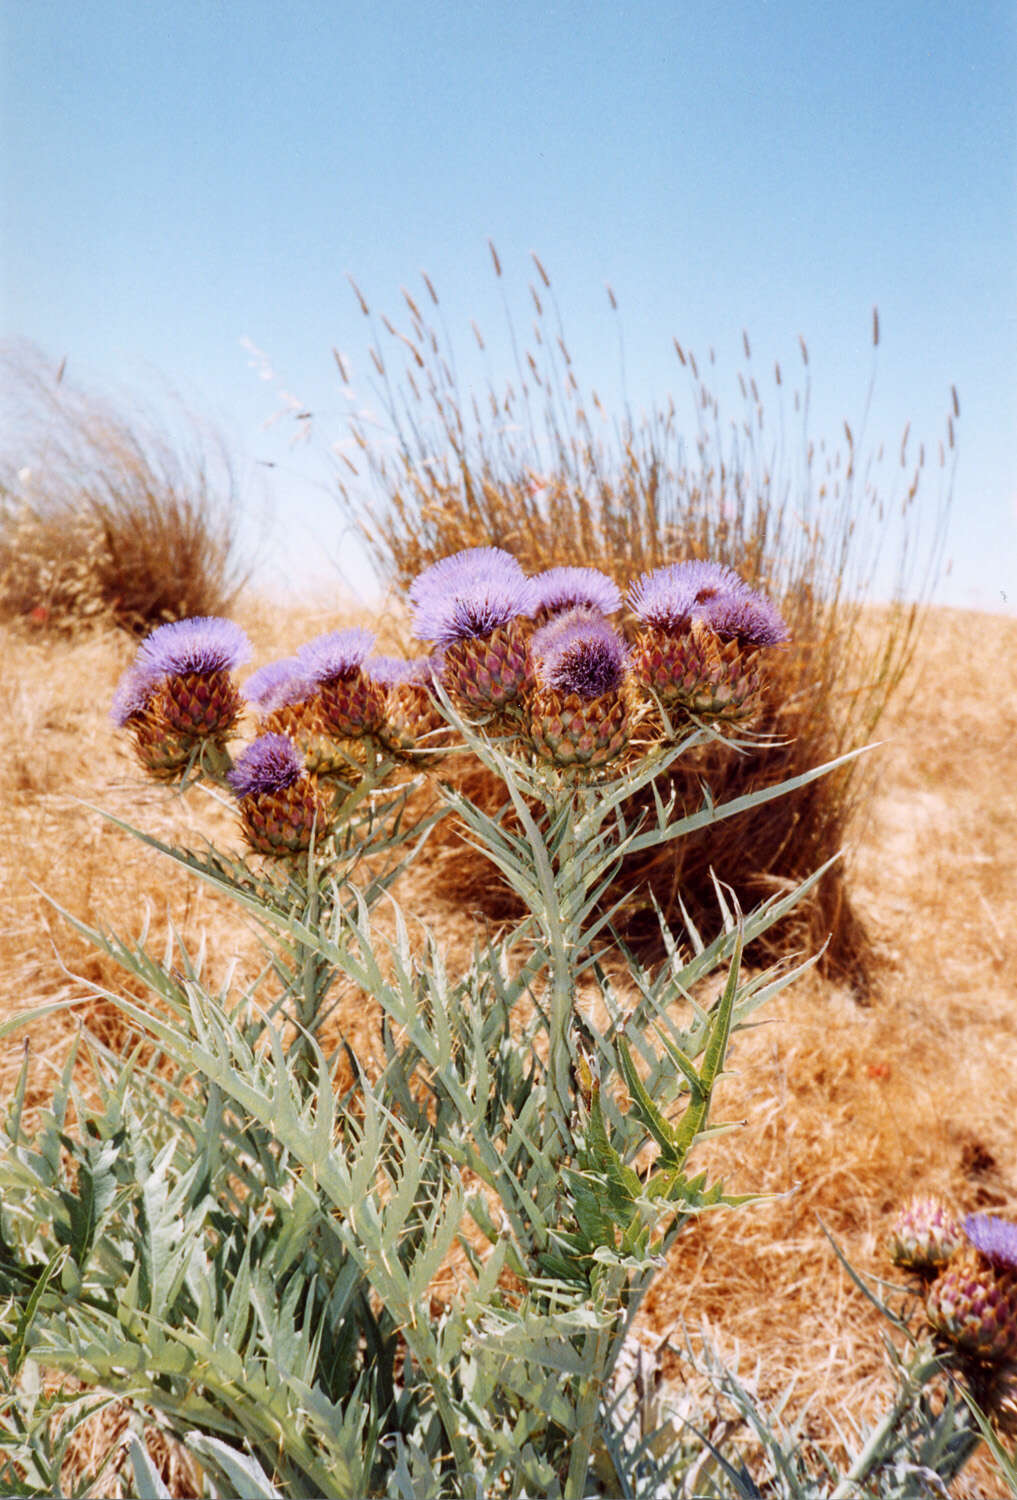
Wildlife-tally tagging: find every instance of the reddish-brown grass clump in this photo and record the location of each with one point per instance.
(108, 516)
(537, 469)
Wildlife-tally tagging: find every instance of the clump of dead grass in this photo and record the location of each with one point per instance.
(107, 516)
(538, 468)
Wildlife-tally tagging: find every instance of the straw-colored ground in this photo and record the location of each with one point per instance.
(848, 1109)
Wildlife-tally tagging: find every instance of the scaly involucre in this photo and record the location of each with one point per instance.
(561, 589)
(202, 645)
(579, 653)
(469, 595)
(269, 764)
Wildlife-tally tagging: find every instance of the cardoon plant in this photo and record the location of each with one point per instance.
(411, 1268)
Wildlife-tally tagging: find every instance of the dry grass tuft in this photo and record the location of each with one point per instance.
(106, 517)
(539, 469)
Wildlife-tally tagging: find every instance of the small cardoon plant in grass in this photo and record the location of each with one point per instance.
(412, 1269)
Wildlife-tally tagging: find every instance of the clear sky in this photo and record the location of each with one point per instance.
(181, 177)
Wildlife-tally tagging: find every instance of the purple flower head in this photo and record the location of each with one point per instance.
(204, 645)
(277, 684)
(753, 619)
(269, 764)
(336, 656)
(579, 653)
(559, 589)
(393, 671)
(132, 693)
(672, 596)
(469, 594)
(995, 1238)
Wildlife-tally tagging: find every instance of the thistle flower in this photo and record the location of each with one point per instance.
(924, 1235)
(336, 656)
(996, 1239)
(699, 639)
(179, 692)
(349, 704)
(190, 664)
(471, 604)
(578, 715)
(279, 803)
(673, 596)
(277, 685)
(561, 589)
(752, 621)
(469, 595)
(203, 645)
(579, 653)
(973, 1304)
(414, 728)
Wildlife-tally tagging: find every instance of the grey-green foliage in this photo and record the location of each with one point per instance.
(416, 1283)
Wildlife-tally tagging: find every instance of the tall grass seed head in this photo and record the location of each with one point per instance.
(349, 703)
(559, 590)
(279, 803)
(578, 714)
(924, 1235)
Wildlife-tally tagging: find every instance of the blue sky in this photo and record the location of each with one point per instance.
(178, 178)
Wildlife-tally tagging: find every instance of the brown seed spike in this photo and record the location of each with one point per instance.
(494, 257)
(746, 345)
(776, 371)
(611, 296)
(875, 327)
(956, 401)
(543, 274)
(340, 366)
(430, 288)
(679, 350)
(804, 348)
(359, 296)
(414, 309)
(849, 434)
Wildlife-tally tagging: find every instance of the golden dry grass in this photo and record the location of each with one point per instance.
(848, 1108)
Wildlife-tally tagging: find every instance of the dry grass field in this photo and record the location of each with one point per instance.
(849, 1107)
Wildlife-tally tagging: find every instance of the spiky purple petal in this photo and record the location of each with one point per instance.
(393, 671)
(269, 764)
(204, 645)
(276, 684)
(336, 655)
(469, 595)
(579, 653)
(560, 589)
(753, 620)
(995, 1238)
(672, 596)
(132, 693)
